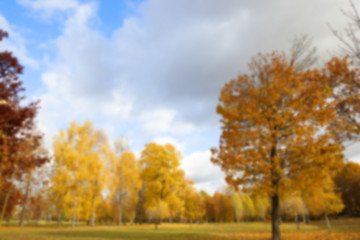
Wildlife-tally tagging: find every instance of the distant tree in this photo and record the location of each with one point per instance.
(217, 205)
(157, 211)
(209, 208)
(322, 199)
(222, 207)
(238, 206)
(227, 210)
(162, 179)
(176, 204)
(261, 204)
(348, 184)
(274, 124)
(293, 205)
(193, 209)
(35, 181)
(37, 204)
(124, 185)
(249, 207)
(104, 211)
(18, 141)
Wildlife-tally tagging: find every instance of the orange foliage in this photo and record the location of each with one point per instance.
(279, 125)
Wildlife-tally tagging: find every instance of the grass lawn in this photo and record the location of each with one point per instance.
(342, 229)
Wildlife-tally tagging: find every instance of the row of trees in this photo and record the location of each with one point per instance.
(90, 180)
(124, 200)
(88, 171)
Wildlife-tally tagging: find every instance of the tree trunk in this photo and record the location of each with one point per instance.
(303, 216)
(21, 222)
(307, 218)
(275, 201)
(73, 221)
(120, 216)
(297, 222)
(132, 219)
(275, 217)
(27, 191)
(59, 218)
(327, 222)
(92, 219)
(7, 196)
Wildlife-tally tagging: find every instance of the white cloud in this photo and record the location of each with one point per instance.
(79, 79)
(120, 107)
(198, 167)
(172, 59)
(164, 121)
(211, 186)
(352, 152)
(165, 140)
(50, 4)
(48, 7)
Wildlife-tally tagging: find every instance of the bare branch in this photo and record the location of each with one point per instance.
(302, 52)
(349, 37)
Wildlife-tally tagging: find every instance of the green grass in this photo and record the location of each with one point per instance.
(342, 229)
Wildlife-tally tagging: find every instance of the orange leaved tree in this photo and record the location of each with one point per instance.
(19, 140)
(276, 125)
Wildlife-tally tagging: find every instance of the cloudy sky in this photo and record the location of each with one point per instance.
(152, 70)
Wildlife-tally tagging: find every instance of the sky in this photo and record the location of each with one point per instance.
(152, 70)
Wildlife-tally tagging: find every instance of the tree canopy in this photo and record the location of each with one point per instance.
(19, 139)
(277, 127)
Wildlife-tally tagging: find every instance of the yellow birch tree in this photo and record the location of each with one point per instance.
(78, 178)
(125, 185)
(162, 179)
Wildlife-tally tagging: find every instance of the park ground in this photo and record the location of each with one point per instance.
(344, 229)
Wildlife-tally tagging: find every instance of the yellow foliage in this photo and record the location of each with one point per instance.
(164, 183)
(78, 178)
(124, 183)
(321, 198)
(194, 206)
(157, 211)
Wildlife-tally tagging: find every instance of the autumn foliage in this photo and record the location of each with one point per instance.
(280, 129)
(19, 140)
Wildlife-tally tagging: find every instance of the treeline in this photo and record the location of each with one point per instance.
(93, 181)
